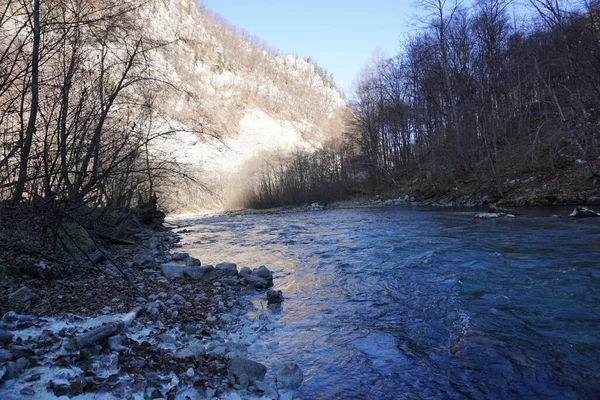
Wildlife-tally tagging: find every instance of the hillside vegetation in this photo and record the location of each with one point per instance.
(479, 107)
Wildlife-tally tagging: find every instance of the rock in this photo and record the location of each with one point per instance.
(199, 273)
(269, 392)
(288, 376)
(59, 390)
(274, 296)
(190, 372)
(5, 355)
(488, 215)
(115, 343)
(11, 370)
(191, 351)
(27, 391)
(495, 209)
(227, 269)
(97, 256)
(144, 258)
(264, 273)
(245, 271)
(256, 282)
(22, 364)
(172, 271)
(5, 337)
(254, 370)
(190, 329)
(166, 338)
(179, 256)
(189, 394)
(21, 297)
(227, 318)
(244, 380)
(584, 212)
(218, 351)
(192, 262)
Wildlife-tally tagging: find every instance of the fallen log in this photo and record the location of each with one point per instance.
(105, 331)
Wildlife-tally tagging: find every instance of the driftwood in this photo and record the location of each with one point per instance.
(105, 331)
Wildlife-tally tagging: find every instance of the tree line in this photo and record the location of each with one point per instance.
(474, 97)
(77, 104)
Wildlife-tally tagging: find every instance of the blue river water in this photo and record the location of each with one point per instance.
(418, 303)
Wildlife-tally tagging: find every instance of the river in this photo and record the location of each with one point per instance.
(419, 303)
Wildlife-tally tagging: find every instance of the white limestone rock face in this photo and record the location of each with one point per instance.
(256, 101)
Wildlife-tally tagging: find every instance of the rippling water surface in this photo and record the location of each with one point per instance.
(392, 302)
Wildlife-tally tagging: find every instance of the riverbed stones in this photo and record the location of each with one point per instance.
(274, 296)
(584, 212)
(144, 258)
(5, 355)
(21, 297)
(288, 376)
(227, 269)
(175, 271)
(264, 273)
(245, 271)
(204, 272)
(5, 337)
(191, 351)
(192, 262)
(239, 366)
(255, 281)
(179, 256)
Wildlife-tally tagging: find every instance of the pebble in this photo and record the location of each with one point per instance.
(190, 372)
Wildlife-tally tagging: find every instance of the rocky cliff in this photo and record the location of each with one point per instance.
(247, 100)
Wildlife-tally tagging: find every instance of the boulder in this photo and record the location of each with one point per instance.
(179, 256)
(227, 269)
(264, 273)
(192, 262)
(204, 272)
(268, 391)
(144, 258)
(245, 271)
(256, 282)
(21, 297)
(173, 271)
(288, 376)
(191, 351)
(238, 366)
(274, 296)
(584, 212)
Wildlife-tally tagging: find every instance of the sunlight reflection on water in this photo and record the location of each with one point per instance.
(391, 302)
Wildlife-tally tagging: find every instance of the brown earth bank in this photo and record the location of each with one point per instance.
(572, 186)
(190, 340)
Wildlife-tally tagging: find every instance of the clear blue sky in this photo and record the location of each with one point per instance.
(340, 35)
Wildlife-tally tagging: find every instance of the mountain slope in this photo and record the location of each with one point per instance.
(247, 99)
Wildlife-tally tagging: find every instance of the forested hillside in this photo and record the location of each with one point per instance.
(108, 102)
(475, 101)
(481, 104)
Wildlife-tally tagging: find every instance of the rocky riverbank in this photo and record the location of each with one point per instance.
(190, 340)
